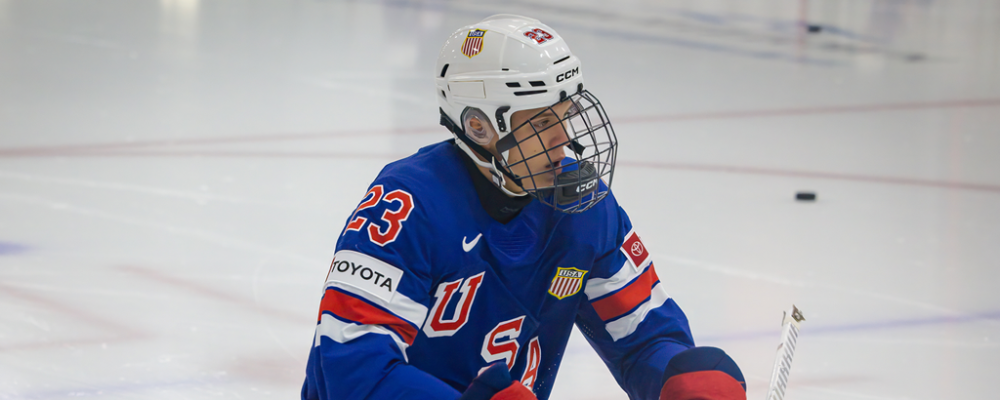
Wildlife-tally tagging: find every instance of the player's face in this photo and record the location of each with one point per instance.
(541, 152)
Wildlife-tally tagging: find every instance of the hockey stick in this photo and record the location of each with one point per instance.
(786, 350)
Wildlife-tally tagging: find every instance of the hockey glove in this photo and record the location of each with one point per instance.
(495, 383)
(703, 373)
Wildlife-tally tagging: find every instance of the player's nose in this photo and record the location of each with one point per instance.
(558, 136)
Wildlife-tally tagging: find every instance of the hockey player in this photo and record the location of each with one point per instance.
(465, 266)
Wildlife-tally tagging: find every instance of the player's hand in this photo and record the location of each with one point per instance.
(495, 383)
(703, 373)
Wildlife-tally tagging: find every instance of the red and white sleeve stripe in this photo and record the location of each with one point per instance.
(349, 309)
(623, 300)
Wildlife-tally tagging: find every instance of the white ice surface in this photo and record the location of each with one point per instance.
(174, 173)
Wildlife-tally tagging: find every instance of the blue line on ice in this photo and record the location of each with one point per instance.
(858, 327)
(12, 248)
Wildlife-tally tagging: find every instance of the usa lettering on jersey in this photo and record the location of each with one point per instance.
(501, 342)
(439, 324)
(534, 360)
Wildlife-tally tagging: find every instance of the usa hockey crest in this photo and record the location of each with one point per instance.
(473, 42)
(567, 282)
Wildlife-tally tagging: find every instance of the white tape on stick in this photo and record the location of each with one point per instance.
(786, 350)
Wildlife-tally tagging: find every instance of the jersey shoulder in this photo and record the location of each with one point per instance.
(385, 253)
(411, 202)
(436, 175)
(618, 244)
(601, 226)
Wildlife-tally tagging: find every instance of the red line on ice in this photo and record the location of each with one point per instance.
(791, 112)
(115, 149)
(61, 150)
(63, 305)
(208, 291)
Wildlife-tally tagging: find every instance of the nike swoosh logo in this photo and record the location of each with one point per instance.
(467, 246)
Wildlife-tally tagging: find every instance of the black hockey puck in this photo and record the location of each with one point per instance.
(814, 28)
(805, 196)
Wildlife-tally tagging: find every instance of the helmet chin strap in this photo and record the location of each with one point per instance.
(499, 179)
(500, 174)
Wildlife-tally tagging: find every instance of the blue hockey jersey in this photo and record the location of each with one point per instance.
(426, 289)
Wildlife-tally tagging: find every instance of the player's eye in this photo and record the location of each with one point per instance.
(542, 123)
(572, 111)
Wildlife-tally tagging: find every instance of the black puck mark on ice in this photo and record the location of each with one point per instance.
(805, 196)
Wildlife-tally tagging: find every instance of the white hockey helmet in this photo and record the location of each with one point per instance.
(508, 63)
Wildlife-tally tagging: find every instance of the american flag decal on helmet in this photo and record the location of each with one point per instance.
(567, 282)
(473, 42)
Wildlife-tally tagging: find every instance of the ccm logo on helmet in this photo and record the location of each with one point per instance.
(568, 74)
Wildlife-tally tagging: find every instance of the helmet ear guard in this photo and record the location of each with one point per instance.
(468, 142)
(477, 126)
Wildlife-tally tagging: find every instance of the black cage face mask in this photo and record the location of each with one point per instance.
(581, 179)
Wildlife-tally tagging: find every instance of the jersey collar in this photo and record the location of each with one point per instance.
(498, 205)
